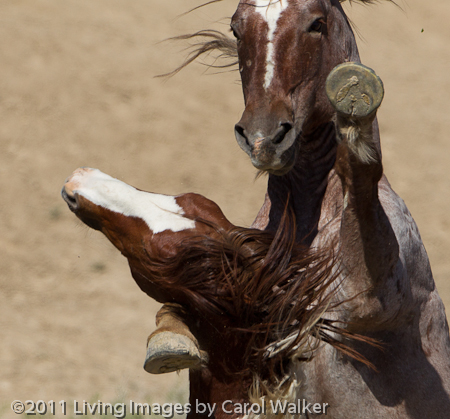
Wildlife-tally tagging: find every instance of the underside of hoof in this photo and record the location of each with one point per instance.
(354, 89)
(168, 352)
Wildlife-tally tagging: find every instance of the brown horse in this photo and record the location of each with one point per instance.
(325, 155)
(252, 298)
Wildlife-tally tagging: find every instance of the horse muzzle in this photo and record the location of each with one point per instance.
(274, 152)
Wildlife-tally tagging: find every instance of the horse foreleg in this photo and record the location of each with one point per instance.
(172, 346)
(368, 246)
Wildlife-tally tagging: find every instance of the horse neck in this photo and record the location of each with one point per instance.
(304, 186)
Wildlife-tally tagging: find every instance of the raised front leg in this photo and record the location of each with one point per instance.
(368, 245)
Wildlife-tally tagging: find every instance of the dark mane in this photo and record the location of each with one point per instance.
(260, 295)
(207, 42)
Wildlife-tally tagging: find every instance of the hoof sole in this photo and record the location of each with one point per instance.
(354, 89)
(168, 352)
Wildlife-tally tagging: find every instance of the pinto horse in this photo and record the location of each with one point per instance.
(323, 152)
(241, 291)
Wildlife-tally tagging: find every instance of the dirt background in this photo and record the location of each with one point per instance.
(77, 88)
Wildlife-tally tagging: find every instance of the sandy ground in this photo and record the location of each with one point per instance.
(77, 88)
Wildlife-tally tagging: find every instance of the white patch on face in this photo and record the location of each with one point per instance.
(271, 11)
(160, 212)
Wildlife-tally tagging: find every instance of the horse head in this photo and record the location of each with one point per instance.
(286, 50)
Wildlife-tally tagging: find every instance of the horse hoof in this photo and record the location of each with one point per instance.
(168, 352)
(354, 89)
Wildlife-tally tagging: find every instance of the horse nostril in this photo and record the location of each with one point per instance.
(240, 135)
(68, 196)
(281, 132)
(287, 126)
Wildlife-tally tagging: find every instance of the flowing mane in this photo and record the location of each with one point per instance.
(268, 291)
(255, 300)
(209, 41)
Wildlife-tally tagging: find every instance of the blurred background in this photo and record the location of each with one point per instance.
(78, 88)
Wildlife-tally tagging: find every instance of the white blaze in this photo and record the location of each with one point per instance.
(271, 11)
(160, 212)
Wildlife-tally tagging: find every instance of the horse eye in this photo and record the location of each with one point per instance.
(317, 26)
(235, 33)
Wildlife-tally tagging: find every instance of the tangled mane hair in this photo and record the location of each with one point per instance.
(209, 41)
(254, 299)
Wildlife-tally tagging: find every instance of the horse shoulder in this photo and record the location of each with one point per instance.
(409, 284)
(415, 268)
